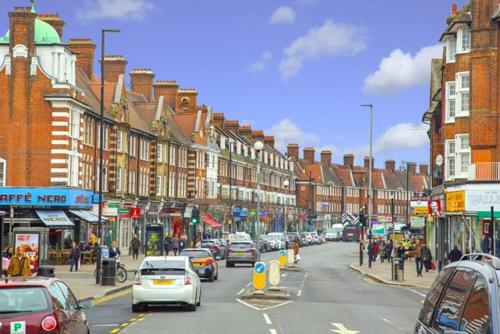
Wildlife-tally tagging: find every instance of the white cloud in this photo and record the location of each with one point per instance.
(306, 2)
(328, 40)
(402, 136)
(400, 71)
(135, 10)
(287, 132)
(283, 15)
(261, 64)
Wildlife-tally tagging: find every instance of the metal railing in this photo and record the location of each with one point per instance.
(485, 171)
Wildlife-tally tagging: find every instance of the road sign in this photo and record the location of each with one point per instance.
(274, 273)
(388, 219)
(259, 276)
(282, 257)
(290, 257)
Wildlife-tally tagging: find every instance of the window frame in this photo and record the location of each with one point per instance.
(460, 92)
(450, 98)
(461, 33)
(3, 172)
(451, 51)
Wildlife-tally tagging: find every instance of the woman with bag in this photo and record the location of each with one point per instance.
(427, 258)
(20, 264)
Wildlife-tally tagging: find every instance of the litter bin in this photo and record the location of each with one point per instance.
(108, 276)
(398, 273)
(46, 271)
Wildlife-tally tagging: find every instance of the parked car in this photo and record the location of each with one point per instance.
(41, 305)
(465, 298)
(166, 280)
(203, 261)
(279, 239)
(218, 250)
(315, 238)
(266, 244)
(273, 244)
(295, 237)
(305, 239)
(242, 252)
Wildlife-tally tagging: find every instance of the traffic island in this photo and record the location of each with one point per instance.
(292, 267)
(275, 293)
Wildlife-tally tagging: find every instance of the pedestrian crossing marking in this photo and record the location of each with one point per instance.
(341, 329)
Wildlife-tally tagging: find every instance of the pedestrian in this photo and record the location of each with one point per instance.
(388, 250)
(8, 252)
(175, 244)
(296, 248)
(135, 244)
(455, 254)
(370, 251)
(183, 241)
(400, 252)
(114, 251)
(375, 251)
(382, 252)
(427, 258)
(74, 256)
(168, 244)
(20, 264)
(419, 258)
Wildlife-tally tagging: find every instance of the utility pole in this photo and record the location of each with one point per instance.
(370, 190)
(259, 146)
(2, 214)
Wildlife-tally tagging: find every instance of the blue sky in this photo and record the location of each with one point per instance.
(298, 68)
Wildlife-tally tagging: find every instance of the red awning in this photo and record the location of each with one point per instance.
(211, 221)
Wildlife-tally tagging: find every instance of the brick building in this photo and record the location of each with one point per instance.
(463, 118)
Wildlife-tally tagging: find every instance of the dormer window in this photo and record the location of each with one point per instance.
(451, 49)
(185, 103)
(463, 39)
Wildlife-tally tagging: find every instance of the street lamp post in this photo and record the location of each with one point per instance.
(258, 146)
(286, 185)
(101, 157)
(2, 214)
(370, 108)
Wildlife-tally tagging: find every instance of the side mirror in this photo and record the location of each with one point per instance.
(85, 304)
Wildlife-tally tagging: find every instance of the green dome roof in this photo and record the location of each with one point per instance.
(44, 34)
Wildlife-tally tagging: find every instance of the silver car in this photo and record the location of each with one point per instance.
(242, 252)
(166, 280)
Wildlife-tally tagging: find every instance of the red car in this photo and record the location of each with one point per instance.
(40, 305)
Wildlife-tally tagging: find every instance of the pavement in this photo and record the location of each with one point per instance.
(326, 297)
(381, 272)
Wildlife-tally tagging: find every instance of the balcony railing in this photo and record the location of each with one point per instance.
(485, 171)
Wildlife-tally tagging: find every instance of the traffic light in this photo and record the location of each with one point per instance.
(362, 219)
(195, 216)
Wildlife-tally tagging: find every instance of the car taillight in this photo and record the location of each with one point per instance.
(251, 251)
(214, 247)
(229, 250)
(187, 280)
(137, 280)
(208, 262)
(49, 324)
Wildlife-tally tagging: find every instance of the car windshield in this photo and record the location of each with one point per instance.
(163, 267)
(195, 254)
(22, 300)
(267, 238)
(241, 245)
(208, 242)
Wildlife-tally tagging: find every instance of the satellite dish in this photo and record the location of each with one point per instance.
(439, 160)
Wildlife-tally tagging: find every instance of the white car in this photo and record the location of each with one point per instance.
(279, 239)
(166, 280)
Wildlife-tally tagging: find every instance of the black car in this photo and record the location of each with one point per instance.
(465, 298)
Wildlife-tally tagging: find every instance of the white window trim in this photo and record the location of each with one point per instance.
(448, 98)
(458, 93)
(451, 52)
(3, 180)
(460, 47)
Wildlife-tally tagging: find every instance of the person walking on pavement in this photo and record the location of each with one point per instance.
(382, 252)
(296, 250)
(427, 258)
(175, 244)
(74, 257)
(455, 254)
(485, 244)
(114, 251)
(135, 244)
(388, 250)
(20, 264)
(183, 241)
(419, 258)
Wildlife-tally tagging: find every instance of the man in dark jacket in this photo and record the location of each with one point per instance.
(74, 257)
(135, 244)
(427, 258)
(388, 250)
(455, 254)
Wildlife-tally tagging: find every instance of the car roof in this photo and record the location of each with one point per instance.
(485, 268)
(27, 281)
(165, 258)
(196, 249)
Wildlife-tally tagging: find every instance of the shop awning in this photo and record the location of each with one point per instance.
(54, 218)
(211, 221)
(88, 216)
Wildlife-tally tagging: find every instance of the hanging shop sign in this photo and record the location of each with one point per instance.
(455, 201)
(419, 208)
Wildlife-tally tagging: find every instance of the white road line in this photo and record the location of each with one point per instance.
(241, 291)
(249, 284)
(249, 305)
(276, 306)
(393, 325)
(273, 331)
(267, 319)
(418, 293)
(299, 293)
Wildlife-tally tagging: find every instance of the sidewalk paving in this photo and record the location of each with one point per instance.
(83, 283)
(381, 272)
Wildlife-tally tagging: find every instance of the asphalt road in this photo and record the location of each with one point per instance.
(327, 297)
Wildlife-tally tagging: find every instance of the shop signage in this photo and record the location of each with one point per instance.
(135, 212)
(455, 201)
(124, 213)
(417, 222)
(435, 207)
(482, 199)
(419, 208)
(45, 197)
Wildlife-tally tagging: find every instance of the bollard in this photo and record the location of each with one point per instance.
(282, 258)
(259, 276)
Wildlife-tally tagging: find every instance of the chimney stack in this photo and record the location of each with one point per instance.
(22, 29)
(141, 80)
(454, 10)
(186, 100)
(246, 131)
(55, 21)
(258, 135)
(367, 162)
(390, 165)
(349, 160)
(309, 153)
(269, 140)
(423, 169)
(412, 167)
(326, 157)
(114, 66)
(85, 54)
(168, 89)
(293, 151)
(219, 119)
(233, 126)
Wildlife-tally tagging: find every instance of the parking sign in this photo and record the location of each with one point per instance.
(18, 327)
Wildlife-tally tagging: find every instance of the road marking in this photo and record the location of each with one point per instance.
(249, 284)
(111, 297)
(276, 306)
(114, 331)
(267, 319)
(341, 329)
(105, 325)
(299, 293)
(241, 291)
(273, 331)
(417, 292)
(393, 325)
(249, 305)
(129, 322)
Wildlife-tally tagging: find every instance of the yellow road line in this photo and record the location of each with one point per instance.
(129, 322)
(111, 297)
(114, 331)
(125, 324)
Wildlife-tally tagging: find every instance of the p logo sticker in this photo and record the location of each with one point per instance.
(18, 327)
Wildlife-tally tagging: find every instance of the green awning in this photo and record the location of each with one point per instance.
(487, 214)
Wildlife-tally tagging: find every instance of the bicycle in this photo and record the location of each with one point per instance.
(121, 272)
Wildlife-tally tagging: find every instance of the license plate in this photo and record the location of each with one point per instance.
(241, 253)
(163, 282)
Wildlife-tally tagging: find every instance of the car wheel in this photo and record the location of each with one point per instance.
(199, 301)
(191, 307)
(217, 276)
(137, 308)
(211, 278)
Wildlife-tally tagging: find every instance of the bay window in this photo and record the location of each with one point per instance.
(451, 104)
(463, 39)
(451, 50)
(458, 157)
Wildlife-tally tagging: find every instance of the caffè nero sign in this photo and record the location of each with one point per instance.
(45, 197)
